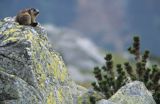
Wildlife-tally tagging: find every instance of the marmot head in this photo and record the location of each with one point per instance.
(33, 11)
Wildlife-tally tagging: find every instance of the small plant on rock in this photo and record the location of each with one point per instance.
(109, 80)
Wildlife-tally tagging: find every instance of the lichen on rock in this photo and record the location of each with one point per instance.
(31, 69)
(31, 72)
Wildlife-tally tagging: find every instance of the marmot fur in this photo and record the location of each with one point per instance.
(27, 17)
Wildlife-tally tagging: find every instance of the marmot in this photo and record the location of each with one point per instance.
(27, 17)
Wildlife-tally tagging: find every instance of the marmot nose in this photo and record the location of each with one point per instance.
(37, 11)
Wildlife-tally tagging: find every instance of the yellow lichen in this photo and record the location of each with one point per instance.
(12, 39)
(48, 67)
(40, 75)
(42, 80)
(60, 74)
(60, 95)
(12, 30)
(50, 99)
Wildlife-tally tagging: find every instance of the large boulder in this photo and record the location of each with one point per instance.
(31, 72)
(132, 93)
(103, 101)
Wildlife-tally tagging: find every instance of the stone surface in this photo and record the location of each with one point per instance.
(105, 102)
(132, 93)
(31, 72)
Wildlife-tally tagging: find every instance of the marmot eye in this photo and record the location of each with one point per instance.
(33, 9)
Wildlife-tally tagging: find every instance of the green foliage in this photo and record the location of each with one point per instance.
(110, 80)
(92, 99)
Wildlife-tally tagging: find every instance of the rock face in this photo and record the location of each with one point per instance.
(105, 102)
(31, 72)
(132, 93)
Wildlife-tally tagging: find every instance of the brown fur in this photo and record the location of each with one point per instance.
(27, 17)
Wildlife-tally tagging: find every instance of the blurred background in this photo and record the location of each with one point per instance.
(83, 31)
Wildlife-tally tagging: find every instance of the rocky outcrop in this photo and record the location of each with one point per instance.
(132, 93)
(105, 102)
(31, 72)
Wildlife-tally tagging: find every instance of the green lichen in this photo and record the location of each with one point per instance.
(2, 69)
(50, 99)
(60, 95)
(38, 65)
